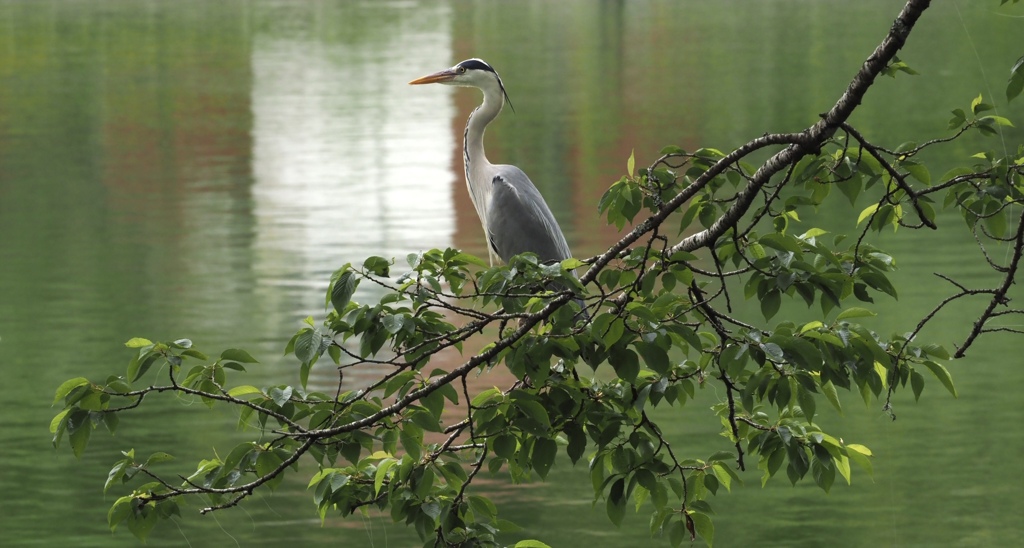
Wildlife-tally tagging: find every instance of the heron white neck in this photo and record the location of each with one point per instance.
(473, 143)
(478, 169)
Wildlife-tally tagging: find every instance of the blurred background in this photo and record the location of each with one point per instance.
(198, 169)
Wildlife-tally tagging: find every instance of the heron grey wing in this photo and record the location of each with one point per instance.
(519, 220)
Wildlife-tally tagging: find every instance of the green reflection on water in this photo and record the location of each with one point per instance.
(126, 209)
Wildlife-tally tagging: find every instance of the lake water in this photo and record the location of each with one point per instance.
(198, 169)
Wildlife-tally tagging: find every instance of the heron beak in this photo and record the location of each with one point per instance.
(446, 75)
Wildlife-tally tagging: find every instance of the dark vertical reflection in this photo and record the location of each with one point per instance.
(129, 207)
(124, 160)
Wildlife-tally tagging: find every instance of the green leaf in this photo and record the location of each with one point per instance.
(505, 446)
(142, 522)
(854, 312)
(770, 303)
(616, 503)
(116, 473)
(544, 452)
(986, 130)
(976, 103)
(861, 455)
(67, 386)
(342, 291)
(393, 323)
(157, 457)
(878, 281)
(918, 172)
(654, 356)
(280, 395)
(238, 355)
(858, 448)
(720, 456)
(138, 367)
(996, 223)
(307, 345)
(782, 242)
(79, 430)
(55, 423)
(381, 474)
(482, 398)
(734, 359)
(119, 511)
(999, 120)
(577, 441)
(943, 375)
(267, 462)
(320, 476)
(724, 474)
(535, 412)
(824, 474)
(936, 351)
(866, 213)
(425, 420)
(506, 526)
(807, 403)
(454, 475)
(465, 258)
(484, 509)
(842, 465)
(531, 543)
(378, 266)
(1016, 82)
(916, 384)
(705, 528)
(449, 393)
(193, 353)
(434, 401)
(609, 331)
(958, 119)
(811, 325)
(813, 233)
(138, 342)
(234, 366)
(630, 163)
(412, 440)
(676, 533)
(111, 420)
(625, 363)
(832, 395)
(243, 390)
(572, 264)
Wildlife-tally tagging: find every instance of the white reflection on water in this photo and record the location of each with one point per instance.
(348, 160)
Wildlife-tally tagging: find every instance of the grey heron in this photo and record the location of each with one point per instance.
(514, 215)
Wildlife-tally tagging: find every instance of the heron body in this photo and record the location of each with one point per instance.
(514, 215)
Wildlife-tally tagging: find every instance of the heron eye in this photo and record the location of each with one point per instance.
(462, 70)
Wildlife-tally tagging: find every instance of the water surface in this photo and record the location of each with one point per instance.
(198, 169)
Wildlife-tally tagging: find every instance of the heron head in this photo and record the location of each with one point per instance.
(469, 73)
